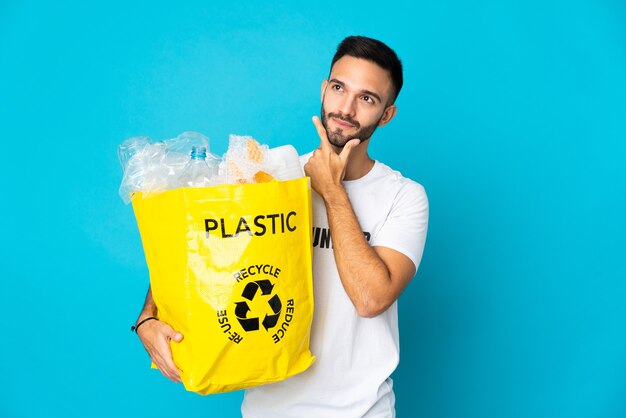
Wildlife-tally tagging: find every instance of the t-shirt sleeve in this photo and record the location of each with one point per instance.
(406, 225)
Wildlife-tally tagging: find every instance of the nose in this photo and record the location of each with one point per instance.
(347, 106)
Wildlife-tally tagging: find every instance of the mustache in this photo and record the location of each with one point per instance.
(348, 119)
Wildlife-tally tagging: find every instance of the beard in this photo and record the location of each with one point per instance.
(337, 138)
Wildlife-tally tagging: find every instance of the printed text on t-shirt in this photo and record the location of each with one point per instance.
(322, 239)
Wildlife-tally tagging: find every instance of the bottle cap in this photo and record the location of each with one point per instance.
(198, 153)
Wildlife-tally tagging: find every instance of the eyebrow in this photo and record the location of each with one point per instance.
(368, 92)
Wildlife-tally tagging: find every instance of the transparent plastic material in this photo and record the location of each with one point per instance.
(153, 167)
(244, 162)
(130, 147)
(284, 163)
(198, 172)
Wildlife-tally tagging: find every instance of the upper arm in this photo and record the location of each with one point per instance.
(405, 227)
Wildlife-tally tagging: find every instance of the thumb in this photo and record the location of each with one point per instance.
(347, 149)
(174, 335)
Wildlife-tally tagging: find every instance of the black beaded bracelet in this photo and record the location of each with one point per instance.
(136, 327)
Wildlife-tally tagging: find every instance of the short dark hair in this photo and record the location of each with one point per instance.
(375, 51)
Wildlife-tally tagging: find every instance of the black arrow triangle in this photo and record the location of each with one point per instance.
(266, 286)
(250, 290)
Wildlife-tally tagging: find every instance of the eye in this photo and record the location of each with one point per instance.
(369, 99)
(336, 87)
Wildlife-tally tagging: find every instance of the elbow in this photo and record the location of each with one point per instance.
(371, 309)
(374, 302)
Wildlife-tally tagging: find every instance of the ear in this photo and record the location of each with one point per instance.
(324, 85)
(388, 114)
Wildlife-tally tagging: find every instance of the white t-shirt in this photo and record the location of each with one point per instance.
(355, 355)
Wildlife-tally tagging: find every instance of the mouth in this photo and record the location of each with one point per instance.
(342, 124)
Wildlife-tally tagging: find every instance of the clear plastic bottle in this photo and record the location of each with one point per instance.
(129, 148)
(197, 173)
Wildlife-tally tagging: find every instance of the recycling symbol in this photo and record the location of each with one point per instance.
(242, 309)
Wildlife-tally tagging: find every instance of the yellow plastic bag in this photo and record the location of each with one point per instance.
(230, 268)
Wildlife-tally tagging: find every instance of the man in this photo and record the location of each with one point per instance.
(376, 220)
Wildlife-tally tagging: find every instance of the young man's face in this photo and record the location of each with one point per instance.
(355, 100)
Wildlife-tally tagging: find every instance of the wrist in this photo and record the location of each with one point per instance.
(140, 322)
(144, 316)
(332, 192)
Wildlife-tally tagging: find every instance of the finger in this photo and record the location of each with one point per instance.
(347, 149)
(175, 376)
(321, 131)
(161, 365)
(165, 371)
(171, 376)
(173, 334)
(157, 343)
(169, 368)
(170, 372)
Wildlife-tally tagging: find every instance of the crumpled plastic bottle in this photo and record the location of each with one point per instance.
(198, 172)
(152, 167)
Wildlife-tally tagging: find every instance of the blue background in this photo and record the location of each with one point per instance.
(513, 116)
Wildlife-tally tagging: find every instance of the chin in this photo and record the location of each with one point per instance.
(337, 141)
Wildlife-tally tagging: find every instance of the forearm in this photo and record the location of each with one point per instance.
(149, 307)
(363, 273)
